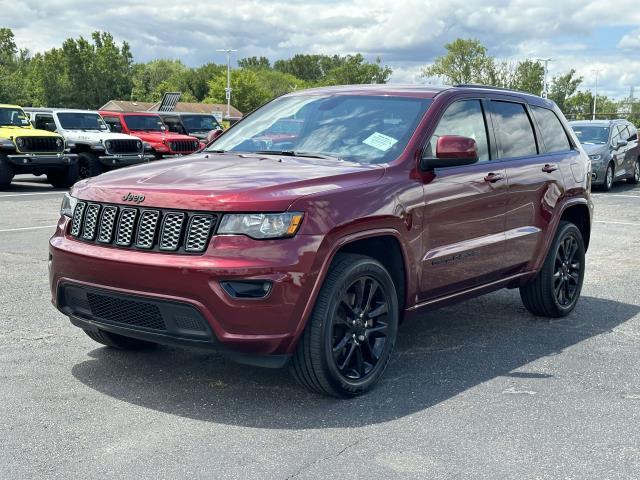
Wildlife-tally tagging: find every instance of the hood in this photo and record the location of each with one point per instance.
(593, 149)
(96, 136)
(13, 132)
(226, 182)
(158, 136)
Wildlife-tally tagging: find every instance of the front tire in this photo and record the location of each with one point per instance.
(555, 290)
(348, 340)
(608, 178)
(89, 165)
(6, 173)
(64, 178)
(120, 342)
(635, 178)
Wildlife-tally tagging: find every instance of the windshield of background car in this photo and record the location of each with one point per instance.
(357, 128)
(591, 134)
(13, 116)
(200, 123)
(144, 122)
(81, 121)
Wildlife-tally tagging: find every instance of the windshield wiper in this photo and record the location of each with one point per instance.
(294, 153)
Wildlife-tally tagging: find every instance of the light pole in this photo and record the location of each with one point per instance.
(595, 95)
(227, 91)
(546, 61)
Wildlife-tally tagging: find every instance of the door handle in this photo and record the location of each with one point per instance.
(550, 167)
(493, 177)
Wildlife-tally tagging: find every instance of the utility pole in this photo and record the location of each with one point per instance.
(595, 95)
(546, 61)
(227, 91)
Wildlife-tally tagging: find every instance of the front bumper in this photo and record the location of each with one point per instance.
(124, 160)
(266, 326)
(46, 160)
(598, 172)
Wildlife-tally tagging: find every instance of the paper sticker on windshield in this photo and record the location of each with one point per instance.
(380, 141)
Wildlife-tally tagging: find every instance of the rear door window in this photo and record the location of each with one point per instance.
(553, 134)
(114, 124)
(513, 129)
(45, 122)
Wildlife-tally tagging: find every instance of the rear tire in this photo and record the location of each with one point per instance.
(6, 173)
(635, 178)
(64, 178)
(555, 290)
(118, 341)
(89, 165)
(348, 340)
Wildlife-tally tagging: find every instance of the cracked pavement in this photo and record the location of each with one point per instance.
(476, 390)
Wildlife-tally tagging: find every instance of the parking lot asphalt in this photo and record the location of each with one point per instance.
(478, 390)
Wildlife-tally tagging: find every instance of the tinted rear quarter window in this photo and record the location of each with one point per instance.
(553, 134)
(513, 130)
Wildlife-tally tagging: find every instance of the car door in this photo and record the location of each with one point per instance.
(45, 121)
(619, 150)
(536, 165)
(464, 209)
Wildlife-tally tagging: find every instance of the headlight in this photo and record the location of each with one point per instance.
(596, 157)
(107, 145)
(59, 142)
(139, 145)
(262, 225)
(19, 142)
(68, 205)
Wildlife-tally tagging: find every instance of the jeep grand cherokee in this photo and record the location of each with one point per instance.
(388, 201)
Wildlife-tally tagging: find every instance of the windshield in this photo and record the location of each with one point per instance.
(591, 134)
(358, 128)
(150, 123)
(199, 123)
(13, 117)
(81, 121)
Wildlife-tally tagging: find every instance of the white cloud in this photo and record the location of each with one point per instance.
(408, 34)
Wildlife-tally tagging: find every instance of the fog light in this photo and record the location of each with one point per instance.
(247, 288)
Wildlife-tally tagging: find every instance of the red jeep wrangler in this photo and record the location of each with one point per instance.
(390, 200)
(150, 128)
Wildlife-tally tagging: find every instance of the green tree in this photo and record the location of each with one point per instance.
(528, 76)
(259, 63)
(466, 61)
(580, 106)
(354, 69)
(563, 87)
(248, 91)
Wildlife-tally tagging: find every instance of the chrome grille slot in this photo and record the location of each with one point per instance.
(147, 228)
(126, 224)
(171, 231)
(90, 221)
(198, 233)
(107, 222)
(78, 214)
(150, 229)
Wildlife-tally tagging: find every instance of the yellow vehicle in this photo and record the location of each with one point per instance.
(24, 149)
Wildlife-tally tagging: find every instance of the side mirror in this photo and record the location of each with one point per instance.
(213, 134)
(452, 151)
(621, 143)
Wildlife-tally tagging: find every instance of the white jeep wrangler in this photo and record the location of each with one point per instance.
(88, 135)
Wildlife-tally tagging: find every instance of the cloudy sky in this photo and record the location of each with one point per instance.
(407, 34)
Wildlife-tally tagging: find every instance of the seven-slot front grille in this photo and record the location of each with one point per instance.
(183, 146)
(124, 146)
(143, 228)
(39, 144)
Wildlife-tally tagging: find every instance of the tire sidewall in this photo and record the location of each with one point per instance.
(565, 230)
(372, 268)
(608, 184)
(92, 162)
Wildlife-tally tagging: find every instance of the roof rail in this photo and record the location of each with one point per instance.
(488, 87)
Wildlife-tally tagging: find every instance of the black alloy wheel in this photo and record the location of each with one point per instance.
(566, 277)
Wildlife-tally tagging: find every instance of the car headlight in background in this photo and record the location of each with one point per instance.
(59, 142)
(596, 157)
(261, 225)
(68, 205)
(139, 145)
(19, 142)
(107, 145)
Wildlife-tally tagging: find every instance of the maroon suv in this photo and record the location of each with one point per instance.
(389, 200)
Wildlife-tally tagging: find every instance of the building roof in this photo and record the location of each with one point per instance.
(184, 107)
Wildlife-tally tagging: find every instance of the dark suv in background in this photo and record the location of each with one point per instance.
(612, 146)
(388, 200)
(199, 125)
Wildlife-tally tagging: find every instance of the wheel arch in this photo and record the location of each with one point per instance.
(579, 215)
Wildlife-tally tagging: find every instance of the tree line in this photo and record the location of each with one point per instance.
(87, 73)
(468, 61)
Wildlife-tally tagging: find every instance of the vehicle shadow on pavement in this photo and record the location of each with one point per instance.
(438, 356)
(31, 184)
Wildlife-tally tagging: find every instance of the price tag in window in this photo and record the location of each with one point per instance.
(380, 141)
